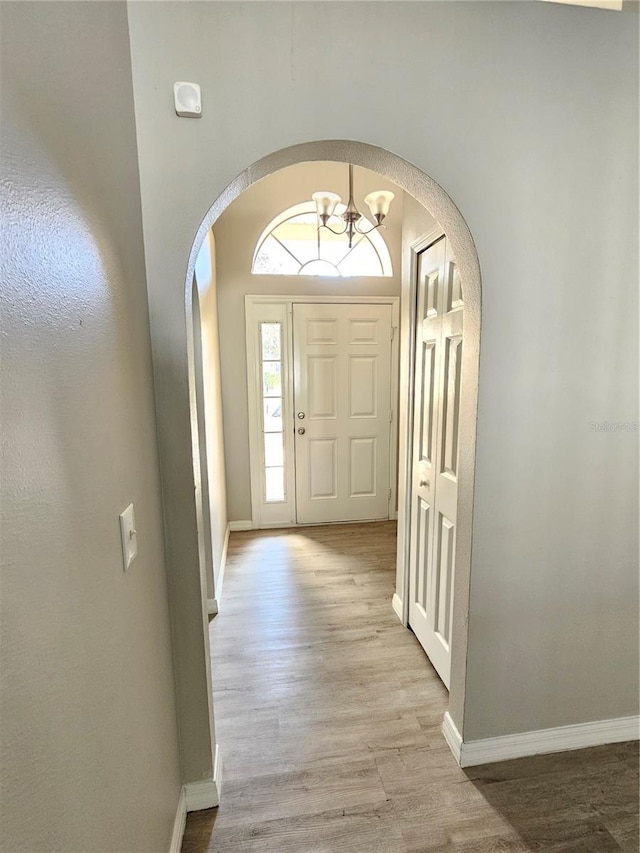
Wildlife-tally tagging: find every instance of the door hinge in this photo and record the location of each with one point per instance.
(391, 416)
(389, 494)
(393, 332)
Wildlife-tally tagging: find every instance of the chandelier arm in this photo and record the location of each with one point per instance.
(373, 228)
(337, 233)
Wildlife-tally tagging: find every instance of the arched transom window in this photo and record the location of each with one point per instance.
(292, 245)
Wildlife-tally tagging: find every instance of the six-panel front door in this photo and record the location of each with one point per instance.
(437, 389)
(342, 408)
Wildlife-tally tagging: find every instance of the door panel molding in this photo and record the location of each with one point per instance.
(350, 400)
(444, 480)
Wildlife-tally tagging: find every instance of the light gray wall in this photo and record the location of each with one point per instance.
(237, 232)
(89, 739)
(526, 113)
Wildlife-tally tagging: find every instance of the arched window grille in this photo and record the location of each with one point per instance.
(292, 245)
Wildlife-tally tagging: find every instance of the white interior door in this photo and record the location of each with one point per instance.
(437, 387)
(342, 405)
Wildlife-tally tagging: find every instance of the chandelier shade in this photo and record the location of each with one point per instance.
(325, 204)
(379, 203)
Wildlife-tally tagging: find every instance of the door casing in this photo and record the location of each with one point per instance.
(470, 277)
(252, 303)
(439, 357)
(400, 603)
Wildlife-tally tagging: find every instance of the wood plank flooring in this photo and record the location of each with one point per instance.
(328, 715)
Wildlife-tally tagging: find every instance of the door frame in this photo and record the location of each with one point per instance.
(401, 606)
(467, 452)
(253, 388)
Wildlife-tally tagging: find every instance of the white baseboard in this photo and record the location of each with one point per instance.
(507, 747)
(217, 771)
(286, 525)
(223, 563)
(212, 606)
(396, 603)
(179, 824)
(452, 737)
(205, 795)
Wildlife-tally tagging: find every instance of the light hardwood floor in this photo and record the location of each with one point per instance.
(328, 714)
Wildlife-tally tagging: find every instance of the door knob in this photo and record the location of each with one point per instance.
(301, 431)
(301, 415)
(425, 483)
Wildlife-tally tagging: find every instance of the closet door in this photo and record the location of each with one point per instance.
(437, 389)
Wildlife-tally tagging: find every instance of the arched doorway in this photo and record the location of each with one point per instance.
(436, 201)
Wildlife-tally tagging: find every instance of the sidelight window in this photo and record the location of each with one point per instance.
(272, 411)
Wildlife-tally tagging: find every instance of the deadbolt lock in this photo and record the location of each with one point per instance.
(301, 415)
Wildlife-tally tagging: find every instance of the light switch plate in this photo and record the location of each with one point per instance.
(129, 536)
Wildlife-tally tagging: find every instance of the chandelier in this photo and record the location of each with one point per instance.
(378, 202)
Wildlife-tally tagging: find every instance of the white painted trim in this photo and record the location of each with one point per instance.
(241, 525)
(212, 606)
(255, 453)
(559, 739)
(217, 772)
(405, 447)
(611, 5)
(396, 603)
(223, 564)
(179, 824)
(206, 794)
(452, 736)
(466, 257)
(330, 298)
(395, 410)
(281, 525)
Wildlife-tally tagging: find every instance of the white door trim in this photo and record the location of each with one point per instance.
(404, 534)
(470, 278)
(252, 301)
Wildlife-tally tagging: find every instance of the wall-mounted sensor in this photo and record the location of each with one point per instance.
(187, 100)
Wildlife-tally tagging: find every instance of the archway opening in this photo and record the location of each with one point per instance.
(445, 220)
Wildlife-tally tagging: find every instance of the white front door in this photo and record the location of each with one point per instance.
(342, 411)
(435, 453)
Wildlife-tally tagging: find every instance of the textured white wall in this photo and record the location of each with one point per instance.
(526, 113)
(237, 232)
(88, 718)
